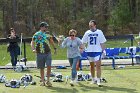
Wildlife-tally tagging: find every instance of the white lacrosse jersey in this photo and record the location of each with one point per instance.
(93, 39)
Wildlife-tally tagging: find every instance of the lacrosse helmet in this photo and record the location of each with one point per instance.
(59, 76)
(80, 76)
(26, 78)
(29, 78)
(19, 68)
(88, 76)
(2, 78)
(14, 83)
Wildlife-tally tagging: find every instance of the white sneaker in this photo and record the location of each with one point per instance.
(94, 81)
(72, 83)
(99, 82)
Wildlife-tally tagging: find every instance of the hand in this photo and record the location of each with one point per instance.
(104, 54)
(138, 43)
(81, 50)
(34, 51)
(60, 39)
(13, 35)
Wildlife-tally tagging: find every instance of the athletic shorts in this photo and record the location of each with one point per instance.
(43, 59)
(94, 56)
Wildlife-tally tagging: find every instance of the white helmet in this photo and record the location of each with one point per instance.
(26, 78)
(88, 76)
(59, 75)
(19, 68)
(80, 76)
(2, 78)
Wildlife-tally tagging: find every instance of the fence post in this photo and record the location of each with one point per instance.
(132, 39)
(25, 53)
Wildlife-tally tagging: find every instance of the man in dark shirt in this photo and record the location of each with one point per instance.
(13, 47)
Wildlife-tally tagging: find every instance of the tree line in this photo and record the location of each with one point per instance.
(114, 17)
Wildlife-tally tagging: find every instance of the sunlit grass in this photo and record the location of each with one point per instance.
(61, 52)
(124, 80)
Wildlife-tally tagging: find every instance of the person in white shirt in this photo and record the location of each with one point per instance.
(94, 40)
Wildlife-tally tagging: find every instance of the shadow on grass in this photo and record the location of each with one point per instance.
(106, 88)
(90, 88)
(63, 90)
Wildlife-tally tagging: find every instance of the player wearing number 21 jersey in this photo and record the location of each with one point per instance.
(93, 40)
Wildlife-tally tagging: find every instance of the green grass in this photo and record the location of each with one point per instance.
(124, 80)
(61, 52)
(5, 56)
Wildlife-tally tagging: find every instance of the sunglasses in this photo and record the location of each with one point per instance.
(71, 35)
(46, 26)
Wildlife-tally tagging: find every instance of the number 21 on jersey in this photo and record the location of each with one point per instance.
(93, 40)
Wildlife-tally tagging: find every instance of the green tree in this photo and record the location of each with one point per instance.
(120, 16)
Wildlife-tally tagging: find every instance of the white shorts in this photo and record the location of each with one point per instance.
(94, 56)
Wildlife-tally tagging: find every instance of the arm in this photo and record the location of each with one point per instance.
(53, 44)
(103, 50)
(63, 45)
(33, 45)
(8, 37)
(102, 46)
(81, 46)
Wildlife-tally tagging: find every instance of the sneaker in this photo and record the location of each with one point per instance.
(42, 84)
(94, 81)
(49, 84)
(99, 84)
(72, 83)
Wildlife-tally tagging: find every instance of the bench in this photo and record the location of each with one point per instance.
(116, 53)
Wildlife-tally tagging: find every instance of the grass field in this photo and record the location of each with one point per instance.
(124, 80)
(61, 53)
(5, 56)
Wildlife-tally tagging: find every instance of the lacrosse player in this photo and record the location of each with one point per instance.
(41, 46)
(94, 39)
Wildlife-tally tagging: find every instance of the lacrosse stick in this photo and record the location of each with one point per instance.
(37, 76)
(19, 67)
(55, 36)
(126, 41)
(20, 47)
